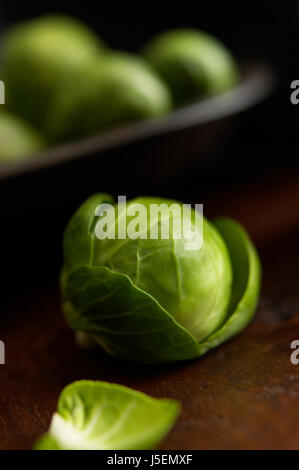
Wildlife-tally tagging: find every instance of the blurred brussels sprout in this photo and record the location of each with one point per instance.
(94, 415)
(193, 63)
(17, 138)
(37, 54)
(121, 88)
(152, 299)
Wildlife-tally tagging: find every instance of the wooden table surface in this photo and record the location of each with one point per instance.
(244, 395)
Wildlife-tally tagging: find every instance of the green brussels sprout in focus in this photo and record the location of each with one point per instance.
(119, 89)
(17, 139)
(156, 300)
(193, 63)
(37, 54)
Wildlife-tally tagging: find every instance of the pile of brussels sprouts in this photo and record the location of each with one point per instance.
(63, 80)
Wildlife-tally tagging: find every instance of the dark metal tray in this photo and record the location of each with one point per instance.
(257, 83)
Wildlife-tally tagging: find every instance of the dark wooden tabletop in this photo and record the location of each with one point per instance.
(244, 395)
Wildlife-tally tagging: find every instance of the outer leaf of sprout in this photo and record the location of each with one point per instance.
(98, 415)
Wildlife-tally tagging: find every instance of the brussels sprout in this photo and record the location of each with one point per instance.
(193, 64)
(37, 54)
(98, 416)
(17, 139)
(155, 300)
(118, 89)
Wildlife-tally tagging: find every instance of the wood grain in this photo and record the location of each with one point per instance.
(244, 395)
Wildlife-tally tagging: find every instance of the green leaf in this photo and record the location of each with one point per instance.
(141, 330)
(98, 415)
(79, 235)
(46, 442)
(246, 283)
